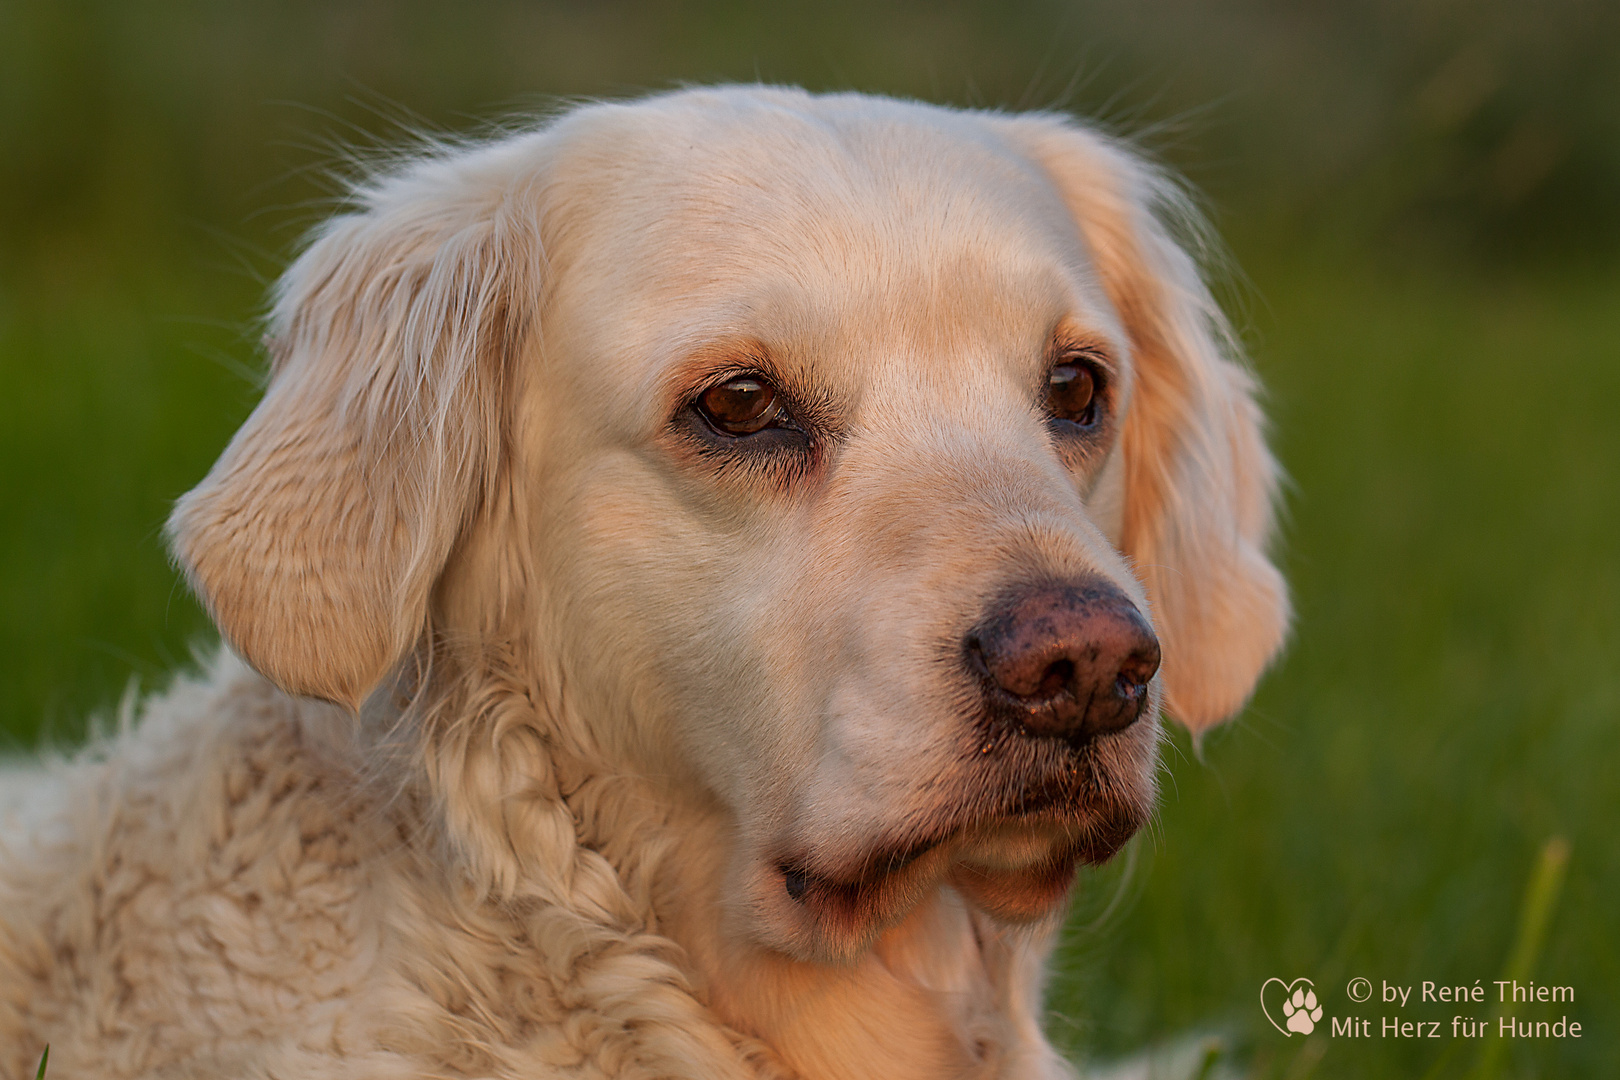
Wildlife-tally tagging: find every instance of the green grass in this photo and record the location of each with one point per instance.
(115, 395)
(1447, 704)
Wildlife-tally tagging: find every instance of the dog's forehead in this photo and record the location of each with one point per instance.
(841, 224)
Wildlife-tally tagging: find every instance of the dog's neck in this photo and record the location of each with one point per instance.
(543, 825)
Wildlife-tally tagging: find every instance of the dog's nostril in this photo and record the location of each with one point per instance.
(1070, 660)
(796, 883)
(1056, 679)
(1140, 668)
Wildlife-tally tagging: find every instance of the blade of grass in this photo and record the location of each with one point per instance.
(1209, 1057)
(1539, 900)
(43, 1058)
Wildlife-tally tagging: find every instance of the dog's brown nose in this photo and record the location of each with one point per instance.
(1068, 660)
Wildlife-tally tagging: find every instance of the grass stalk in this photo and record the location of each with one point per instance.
(1540, 898)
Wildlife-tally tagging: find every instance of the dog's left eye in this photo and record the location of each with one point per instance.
(1072, 393)
(740, 406)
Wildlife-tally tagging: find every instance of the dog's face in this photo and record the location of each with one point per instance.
(846, 466)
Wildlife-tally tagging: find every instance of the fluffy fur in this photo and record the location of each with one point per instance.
(553, 697)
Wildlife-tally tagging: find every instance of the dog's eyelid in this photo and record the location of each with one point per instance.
(726, 376)
(1075, 335)
(803, 407)
(721, 376)
(1094, 355)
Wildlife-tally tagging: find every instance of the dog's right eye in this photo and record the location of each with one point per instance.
(740, 406)
(1072, 393)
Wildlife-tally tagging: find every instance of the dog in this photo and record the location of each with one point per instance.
(704, 573)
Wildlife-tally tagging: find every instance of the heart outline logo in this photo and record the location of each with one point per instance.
(1289, 989)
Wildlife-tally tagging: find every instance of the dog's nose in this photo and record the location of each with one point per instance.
(1067, 660)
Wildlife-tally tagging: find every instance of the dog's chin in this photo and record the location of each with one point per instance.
(1017, 873)
(1016, 870)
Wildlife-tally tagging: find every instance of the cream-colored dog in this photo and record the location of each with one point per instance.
(702, 568)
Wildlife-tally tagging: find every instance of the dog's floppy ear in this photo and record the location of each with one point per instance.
(1199, 480)
(315, 539)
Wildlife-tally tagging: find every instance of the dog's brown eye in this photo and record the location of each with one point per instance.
(740, 406)
(1072, 392)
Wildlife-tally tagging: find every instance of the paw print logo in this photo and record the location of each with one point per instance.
(1300, 1010)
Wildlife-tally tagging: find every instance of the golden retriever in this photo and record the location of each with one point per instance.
(700, 570)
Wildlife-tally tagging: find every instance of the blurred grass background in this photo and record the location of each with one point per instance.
(1425, 201)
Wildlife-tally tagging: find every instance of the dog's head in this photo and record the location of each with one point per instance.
(846, 466)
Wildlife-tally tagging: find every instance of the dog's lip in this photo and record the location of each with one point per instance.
(1007, 834)
(1036, 819)
(872, 870)
(1015, 867)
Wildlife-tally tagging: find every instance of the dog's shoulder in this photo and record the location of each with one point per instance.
(232, 880)
(214, 852)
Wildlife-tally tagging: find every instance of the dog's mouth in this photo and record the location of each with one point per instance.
(1016, 865)
(1004, 819)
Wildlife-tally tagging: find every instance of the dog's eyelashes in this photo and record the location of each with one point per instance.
(740, 406)
(1072, 393)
